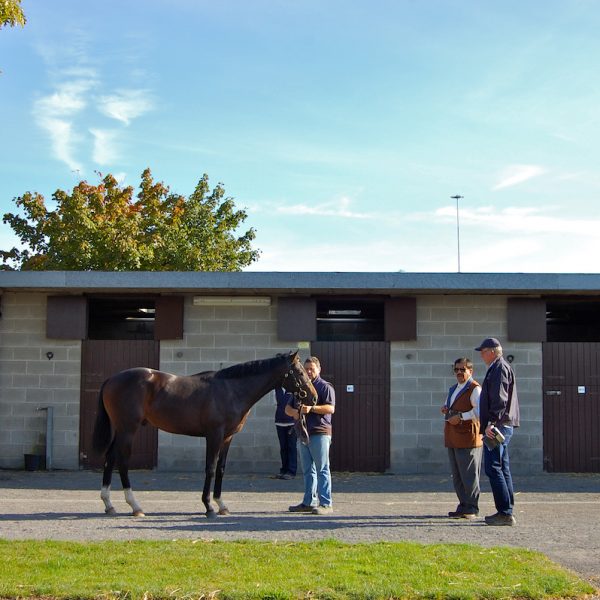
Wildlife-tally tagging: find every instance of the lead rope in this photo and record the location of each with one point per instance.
(300, 424)
(301, 428)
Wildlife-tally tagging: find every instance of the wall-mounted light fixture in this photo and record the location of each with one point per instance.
(232, 301)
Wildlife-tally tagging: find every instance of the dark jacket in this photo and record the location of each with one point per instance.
(282, 397)
(499, 403)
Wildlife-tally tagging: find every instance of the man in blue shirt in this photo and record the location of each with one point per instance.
(498, 407)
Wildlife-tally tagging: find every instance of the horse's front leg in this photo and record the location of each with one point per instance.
(213, 446)
(223, 510)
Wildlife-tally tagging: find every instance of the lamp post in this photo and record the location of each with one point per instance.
(457, 198)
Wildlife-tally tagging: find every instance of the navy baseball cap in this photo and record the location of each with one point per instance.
(488, 343)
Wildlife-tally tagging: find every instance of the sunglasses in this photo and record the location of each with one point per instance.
(460, 369)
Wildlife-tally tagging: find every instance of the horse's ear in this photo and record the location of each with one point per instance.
(294, 355)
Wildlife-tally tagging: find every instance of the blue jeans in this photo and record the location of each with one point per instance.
(287, 450)
(497, 468)
(315, 465)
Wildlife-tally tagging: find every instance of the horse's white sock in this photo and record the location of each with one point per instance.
(222, 506)
(105, 495)
(130, 499)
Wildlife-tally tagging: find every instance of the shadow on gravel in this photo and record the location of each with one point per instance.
(285, 524)
(258, 522)
(48, 516)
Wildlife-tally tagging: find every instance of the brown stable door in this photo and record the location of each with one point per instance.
(571, 380)
(101, 359)
(360, 375)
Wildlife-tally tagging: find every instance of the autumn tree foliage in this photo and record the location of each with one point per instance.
(11, 13)
(105, 228)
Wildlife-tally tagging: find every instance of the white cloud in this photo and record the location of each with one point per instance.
(64, 112)
(524, 239)
(535, 253)
(529, 220)
(431, 250)
(345, 256)
(125, 105)
(58, 112)
(60, 103)
(68, 99)
(63, 141)
(105, 148)
(55, 113)
(328, 209)
(516, 174)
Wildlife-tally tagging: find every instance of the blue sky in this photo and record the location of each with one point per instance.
(342, 126)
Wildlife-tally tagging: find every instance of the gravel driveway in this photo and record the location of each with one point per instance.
(558, 515)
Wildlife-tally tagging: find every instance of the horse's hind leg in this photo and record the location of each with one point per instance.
(109, 464)
(124, 443)
(223, 510)
(213, 444)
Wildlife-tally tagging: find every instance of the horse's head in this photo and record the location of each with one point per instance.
(297, 381)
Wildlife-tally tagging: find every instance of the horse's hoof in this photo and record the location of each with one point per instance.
(224, 511)
(110, 512)
(138, 513)
(211, 514)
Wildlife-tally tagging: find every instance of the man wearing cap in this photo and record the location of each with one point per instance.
(499, 407)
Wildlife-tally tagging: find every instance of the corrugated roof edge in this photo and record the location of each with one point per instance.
(396, 283)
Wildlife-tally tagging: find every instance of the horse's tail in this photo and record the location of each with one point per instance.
(102, 429)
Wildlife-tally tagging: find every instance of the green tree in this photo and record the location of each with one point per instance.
(11, 13)
(105, 228)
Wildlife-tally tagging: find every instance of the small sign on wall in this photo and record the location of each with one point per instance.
(581, 389)
(350, 388)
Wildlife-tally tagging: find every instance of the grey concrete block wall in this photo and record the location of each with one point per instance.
(449, 327)
(29, 380)
(218, 336)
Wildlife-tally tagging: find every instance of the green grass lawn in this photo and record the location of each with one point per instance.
(278, 570)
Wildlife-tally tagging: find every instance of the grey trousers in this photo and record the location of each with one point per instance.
(466, 466)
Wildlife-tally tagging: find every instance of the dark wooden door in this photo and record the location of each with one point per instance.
(360, 375)
(100, 359)
(571, 380)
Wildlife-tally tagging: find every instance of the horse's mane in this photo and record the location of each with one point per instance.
(248, 369)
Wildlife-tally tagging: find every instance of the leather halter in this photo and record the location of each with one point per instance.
(299, 393)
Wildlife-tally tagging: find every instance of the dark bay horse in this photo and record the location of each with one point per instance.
(212, 404)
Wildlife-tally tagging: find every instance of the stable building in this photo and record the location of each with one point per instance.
(387, 342)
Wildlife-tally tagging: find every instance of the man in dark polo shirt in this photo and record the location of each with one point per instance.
(315, 454)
